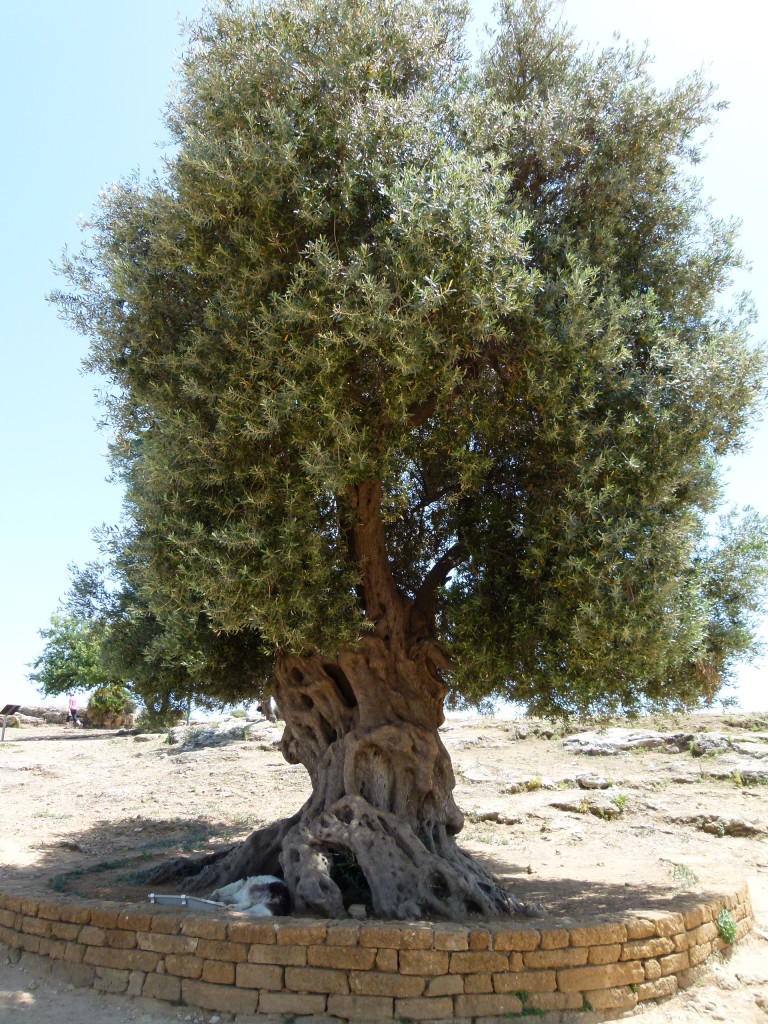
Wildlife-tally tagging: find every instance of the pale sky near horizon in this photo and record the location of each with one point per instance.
(83, 87)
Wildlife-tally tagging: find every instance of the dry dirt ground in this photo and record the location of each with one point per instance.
(85, 812)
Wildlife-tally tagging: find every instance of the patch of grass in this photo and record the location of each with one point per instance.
(737, 780)
(726, 926)
(619, 801)
(531, 785)
(683, 876)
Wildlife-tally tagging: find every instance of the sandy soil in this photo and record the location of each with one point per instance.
(85, 812)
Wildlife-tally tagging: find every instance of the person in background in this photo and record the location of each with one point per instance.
(72, 710)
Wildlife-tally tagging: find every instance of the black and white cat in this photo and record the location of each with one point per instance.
(260, 895)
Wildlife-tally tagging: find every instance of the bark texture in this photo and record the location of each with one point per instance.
(380, 825)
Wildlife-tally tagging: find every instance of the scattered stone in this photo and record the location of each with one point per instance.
(477, 775)
(498, 816)
(709, 743)
(751, 748)
(589, 781)
(522, 730)
(600, 808)
(614, 741)
(357, 911)
(145, 737)
(716, 825)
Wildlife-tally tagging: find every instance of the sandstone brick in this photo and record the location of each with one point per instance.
(662, 988)
(135, 983)
(704, 933)
(353, 958)
(74, 953)
(476, 983)
(104, 918)
(674, 963)
(167, 924)
(452, 937)
(235, 952)
(639, 928)
(79, 975)
(62, 930)
(134, 921)
(743, 928)
(10, 902)
(49, 911)
(110, 980)
(375, 983)
(546, 1001)
(294, 1003)
(695, 916)
(644, 948)
(620, 998)
(219, 997)
(387, 960)
(587, 979)
(555, 938)
(397, 936)
(183, 965)
(260, 932)
(218, 972)
(428, 961)
(445, 985)
(682, 942)
(29, 943)
(7, 918)
(652, 970)
(738, 913)
(118, 939)
(343, 933)
(424, 1009)
(29, 906)
(525, 981)
(698, 954)
(573, 956)
(300, 933)
(479, 939)
(599, 935)
(9, 936)
(208, 928)
(122, 959)
(687, 978)
(669, 924)
(283, 956)
(36, 926)
(521, 940)
(92, 936)
(486, 1005)
(73, 914)
(316, 979)
(604, 954)
(475, 963)
(265, 976)
(365, 1008)
(166, 943)
(58, 949)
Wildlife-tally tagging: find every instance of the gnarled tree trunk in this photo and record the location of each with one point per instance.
(380, 825)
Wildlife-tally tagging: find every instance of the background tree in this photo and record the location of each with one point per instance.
(419, 383)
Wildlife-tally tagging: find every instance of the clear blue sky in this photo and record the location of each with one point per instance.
(83, 86)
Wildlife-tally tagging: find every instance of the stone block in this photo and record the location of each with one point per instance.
(365, 1008)
(49, 911)
(74, 953)
(397, 936)
(300, 933)
(73, 914)
(159, 943)
(62, 930)
(162, 986)
(555, 938)
(476, 963)
(479, 939)
(317, 979)
(427, 962)
(620, 998)
(445, 985)
(29, 943)
(110, 980)
(525, 981)
(92, 936)
(704, 933)
(120, 939)
(234, 952)
(122, 959)
(352, 958)
(587, 979)
(218, 972)
(573, 956)
(167, 924)
(8, 918)
(260, 932)
(486, 1005)
(698, 954)
(644, 948)
(652, 970)
(521, 940)
(604, 954)
(219, 997)
(183, 965)
(343, 933)
(283, 956)
(639, 928)
(452, 937)
(208, 928)
(478, 983)
(696, 916)
(29, 906)
(599, 935)
(134, 921)
(669, 924)
(103, 918)
(36, 926)
(265, 976)
(552, 1001)
(661, 988)
(135, 983)
(424, 1009)
(376, 983)
(294, 1003)
(387, 960)
(674, 964)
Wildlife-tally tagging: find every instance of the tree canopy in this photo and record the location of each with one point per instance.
(489, 290)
